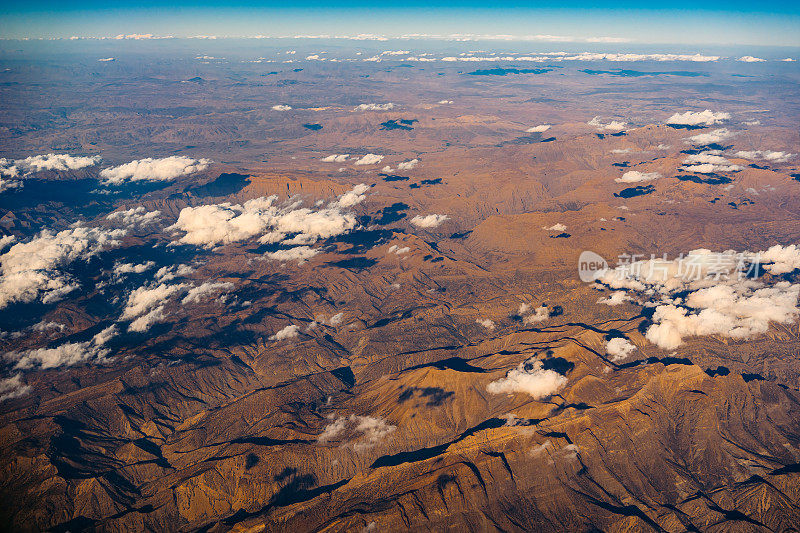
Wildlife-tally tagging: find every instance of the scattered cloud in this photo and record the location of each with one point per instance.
(166, 169)
(531, 378)
(708, 163)
(335, 158)
(281, 107)
(614, 125)
(408, 165)
(13, 387)
(301, 254)
(32, 269)
(375, 107)
(558, 226)
(369, 159)
(138, 36)
(206, 290)
(168, 273)
(131, 268)
(615, 298)
(699, 118)
(429, 221)
(703, 294)
(135, 218)
(68, 354)
(781, 259)
(713, 137)
(538, 129)
(634, 176)
(62, 162)
(354, 196)
(766, 155)
(289, 332)
(751, 59)
(362, 432)
(619, 348)
(214, 224)
(146, 305)
(485, 322)
(398, 250)
(540, 314)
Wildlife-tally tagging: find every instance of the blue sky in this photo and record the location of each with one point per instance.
(679, 22)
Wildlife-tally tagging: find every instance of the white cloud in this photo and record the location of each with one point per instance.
(556, 227)
(619, 348)
(45, 327)
(289, 332)
(708, 163)
(364, 432)
(715, 136)
(145, 322)
(136, 36)
(374, 107)
(105, 335)
(31, 269)
(38, 163)
(301, 254)
(8, 168)
(106, 59)
(408, 165)
(210, 225)
(398, 250)
(538, 129)
(751, 59)
(542, 448)
(766, 155)
(13, 387)
(168, 273)
(206, 289)
(281, 107)
(335, 158)
(540, 314)
(352, 197)
(369, 159)
(615, 298)
(166, 169)
(634, 176)
(131, 268)
(6, 184)
(146, 305)
(135, 218)
(444, 102)
(781, 259)
(702, 293)
(699, 118)
(429, 221)
(336, 319)
(531, 378)
(485, 322)
(614, 125)
(64, 355)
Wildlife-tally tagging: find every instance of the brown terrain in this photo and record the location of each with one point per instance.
(383, 418)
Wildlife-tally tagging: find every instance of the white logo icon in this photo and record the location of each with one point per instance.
(590, 265)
